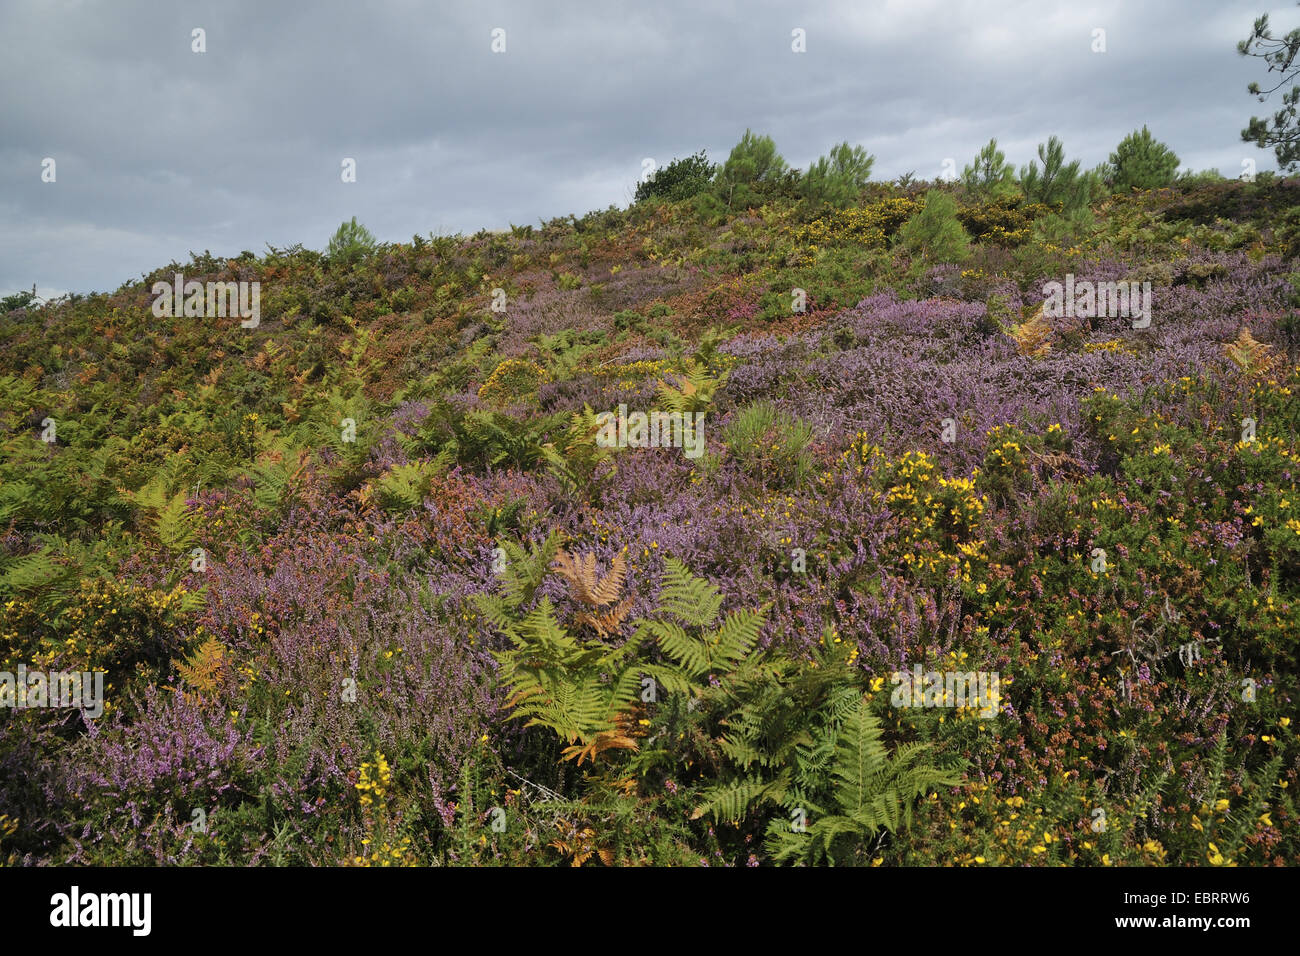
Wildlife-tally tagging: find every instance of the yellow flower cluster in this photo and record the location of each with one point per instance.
(375, 779)
(1112, 345)
(513, 378)
(388, 855)
(860, 454)
(634, 371)
(868, 224)
(942, 511)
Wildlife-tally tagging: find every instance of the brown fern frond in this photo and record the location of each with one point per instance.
(605, 740)
(580, 572)
(1250, 355)
(205, 670)
(1033, 337)
(605, 623)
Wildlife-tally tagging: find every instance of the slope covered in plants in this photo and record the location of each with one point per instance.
(368, 587)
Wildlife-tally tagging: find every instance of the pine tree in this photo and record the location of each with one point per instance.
(990, 176)
(1283, 131)
(838, 178)
(350, 243)
(935, 233)
(1057, 181)
(1141, 161)
(753, 161)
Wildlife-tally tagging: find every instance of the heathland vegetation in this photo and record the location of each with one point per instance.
(372, 581)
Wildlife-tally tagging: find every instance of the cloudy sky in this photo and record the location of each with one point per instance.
(160, 150)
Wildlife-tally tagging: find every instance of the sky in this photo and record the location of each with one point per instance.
(159, 150)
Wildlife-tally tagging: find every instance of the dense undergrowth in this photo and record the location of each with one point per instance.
(366, 589)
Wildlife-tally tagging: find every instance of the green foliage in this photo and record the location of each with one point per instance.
(680, 179)
(693, 391)
(404, 487)
(1282, 132)
(586, 691)
(524, 570)
(1188, 178)
(935, 234)
(685, 633)
(770, 446)
(1140, 161)
(19, 300)
(990, 176)
(1064, 228)
(495, 438)
(580, 690)
(1056, 181)
(752, 165)
(838, 178)
(801, 737)
(350, 244)
(579, 460)
(1287, 234)
(870, 790)
(172, 522)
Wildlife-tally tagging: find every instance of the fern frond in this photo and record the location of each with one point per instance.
(580, 572)
(1034, 337)
(205, 669)
(691, 600)
(605, 623)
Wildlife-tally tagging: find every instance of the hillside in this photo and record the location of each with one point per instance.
(368, 584)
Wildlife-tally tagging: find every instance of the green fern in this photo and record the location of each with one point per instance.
(404, 487)
(578, 460)
(693, 391)
(523, 572)
(871, 791)
(586, 691)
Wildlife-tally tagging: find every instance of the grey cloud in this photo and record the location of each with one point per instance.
(161, 151)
